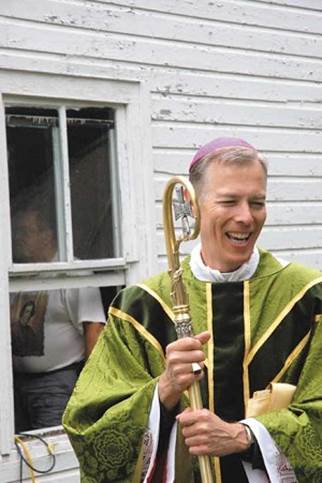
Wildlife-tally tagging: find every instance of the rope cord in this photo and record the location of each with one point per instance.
(27, 458)
(25, 455)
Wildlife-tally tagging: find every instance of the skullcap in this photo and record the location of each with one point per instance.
(216, 144)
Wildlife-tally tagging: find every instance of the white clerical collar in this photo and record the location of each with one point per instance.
(207, 274)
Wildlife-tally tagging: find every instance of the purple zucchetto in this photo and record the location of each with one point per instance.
(217, 144)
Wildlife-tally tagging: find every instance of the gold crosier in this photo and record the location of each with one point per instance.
(180, 303)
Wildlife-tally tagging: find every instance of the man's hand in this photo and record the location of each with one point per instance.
(207, 434)
(178, 375)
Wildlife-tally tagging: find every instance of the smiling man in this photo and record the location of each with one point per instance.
(257, 321)
(231, 196)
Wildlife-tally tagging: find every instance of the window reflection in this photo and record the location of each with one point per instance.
(93, 191)
(31, 136)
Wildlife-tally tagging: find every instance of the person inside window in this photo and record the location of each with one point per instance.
(53, 331)
(256, 320)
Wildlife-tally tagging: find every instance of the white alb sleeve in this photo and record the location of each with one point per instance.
(151, 449)
(278, 468)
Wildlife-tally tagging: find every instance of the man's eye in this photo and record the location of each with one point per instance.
(228, 202)
(258, 204)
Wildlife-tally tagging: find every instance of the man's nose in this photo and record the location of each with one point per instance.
(244, 213)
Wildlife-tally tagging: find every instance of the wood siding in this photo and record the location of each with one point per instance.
(247, 68)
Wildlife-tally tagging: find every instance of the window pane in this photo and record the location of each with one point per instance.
(92, 196)
(33, 139)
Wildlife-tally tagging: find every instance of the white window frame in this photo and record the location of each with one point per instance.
(130, 99)
(63, 200)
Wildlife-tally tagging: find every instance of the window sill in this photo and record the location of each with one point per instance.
(73, 266)
(66, 465)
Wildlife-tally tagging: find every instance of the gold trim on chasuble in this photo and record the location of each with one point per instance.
(296, 352)
(293, 355)
(166, 308)
(215, 460)
(139, 327)
(247, 343)
(157, 297)
(279, 319)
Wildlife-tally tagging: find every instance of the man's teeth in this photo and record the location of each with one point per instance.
(239, 236)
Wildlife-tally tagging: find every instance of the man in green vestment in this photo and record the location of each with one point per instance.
(257, 321)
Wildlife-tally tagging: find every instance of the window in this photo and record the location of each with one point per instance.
(77, 190)
(62, 174)
(74, 154)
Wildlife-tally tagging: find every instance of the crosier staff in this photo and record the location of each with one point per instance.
(180, 303)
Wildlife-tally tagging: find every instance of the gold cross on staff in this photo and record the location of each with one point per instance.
(182, 210)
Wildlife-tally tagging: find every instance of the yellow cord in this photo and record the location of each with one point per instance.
(51, 448)
(27, 456)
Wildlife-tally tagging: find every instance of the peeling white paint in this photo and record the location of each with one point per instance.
(250, 69)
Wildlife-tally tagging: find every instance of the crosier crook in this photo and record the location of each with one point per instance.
(180, 304)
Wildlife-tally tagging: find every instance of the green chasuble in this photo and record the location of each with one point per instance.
(266, 329)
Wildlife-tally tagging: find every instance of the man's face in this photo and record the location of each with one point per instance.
(30, 239)
(233, 211)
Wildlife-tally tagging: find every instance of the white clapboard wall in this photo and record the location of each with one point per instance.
(235, 67)
(259, 62)
(246, 68)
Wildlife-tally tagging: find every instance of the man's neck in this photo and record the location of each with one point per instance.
(206, 274)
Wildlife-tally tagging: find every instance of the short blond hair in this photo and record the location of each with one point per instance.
(232, 155)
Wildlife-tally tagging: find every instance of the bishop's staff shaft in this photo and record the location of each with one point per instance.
(180, 303)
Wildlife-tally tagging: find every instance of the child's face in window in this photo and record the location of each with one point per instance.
(32, 240)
